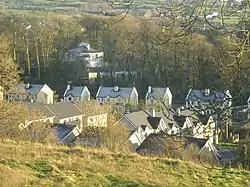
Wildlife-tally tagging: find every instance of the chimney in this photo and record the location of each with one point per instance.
(207, 91)
(178, 111)
(149, 89)
(69, 85)
(27, 86)
(152, 112)
(116, 88)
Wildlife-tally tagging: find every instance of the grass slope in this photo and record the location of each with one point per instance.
(30, 164)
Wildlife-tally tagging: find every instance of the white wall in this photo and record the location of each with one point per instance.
(98, 120)
(74, 118)
(49, 95)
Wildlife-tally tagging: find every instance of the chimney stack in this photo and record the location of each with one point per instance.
(152, 112)
(27, 86)
(149, 89)
(207, 91)
(178, 111)
(116, 88)
(69, 85)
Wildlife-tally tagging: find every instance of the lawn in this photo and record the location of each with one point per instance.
(30, 164)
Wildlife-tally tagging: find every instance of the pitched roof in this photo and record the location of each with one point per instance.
(156, 93)
(32, 90)
(153, 144)
(141, 118)
(199, 95)
(36, 106)
(64, 109)
(156, 143)
(154, 121)
(75, 91)
(197, 141)
(104, 92)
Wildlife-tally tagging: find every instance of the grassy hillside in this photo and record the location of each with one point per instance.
(26, 164)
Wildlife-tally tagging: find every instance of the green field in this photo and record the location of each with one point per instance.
(27, 164)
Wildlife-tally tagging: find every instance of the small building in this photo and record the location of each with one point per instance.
(76, 93)
(31, 93)
(158, 98)
(118, 96)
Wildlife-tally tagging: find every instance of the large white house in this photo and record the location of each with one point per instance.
(83, 52)
(31, 92)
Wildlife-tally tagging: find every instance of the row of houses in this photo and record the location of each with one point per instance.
(200, 100)
(111, 95)
(144, 126)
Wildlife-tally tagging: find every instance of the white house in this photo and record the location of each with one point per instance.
(142, 124)
(119, 96)
(83, 52)
(76, 93)
(207, 101)
(157, 96)
(31, 92)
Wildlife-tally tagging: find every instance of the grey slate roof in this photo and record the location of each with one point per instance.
(156, 143)
(156, 93)
(199, 95)
(32, 90)
(64, 109)
(75, 91)
(141, 118)
(36, 106)
(109, 91)
(170, 118)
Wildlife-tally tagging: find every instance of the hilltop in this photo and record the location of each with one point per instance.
(33, 164)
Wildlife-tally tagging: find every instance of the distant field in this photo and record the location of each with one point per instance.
(27, 6)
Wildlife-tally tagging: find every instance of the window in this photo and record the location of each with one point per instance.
(151, 100)
(70, 98)
(96, 56)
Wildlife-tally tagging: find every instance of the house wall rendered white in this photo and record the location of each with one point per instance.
(70, 119)
(47, 97)
(133, 99)
(98, 120)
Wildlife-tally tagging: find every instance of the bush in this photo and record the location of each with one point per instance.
(12, 114)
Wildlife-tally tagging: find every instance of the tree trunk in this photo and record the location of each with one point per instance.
(14, 48)
(27, 57)
(37, 61)
(43, 59)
